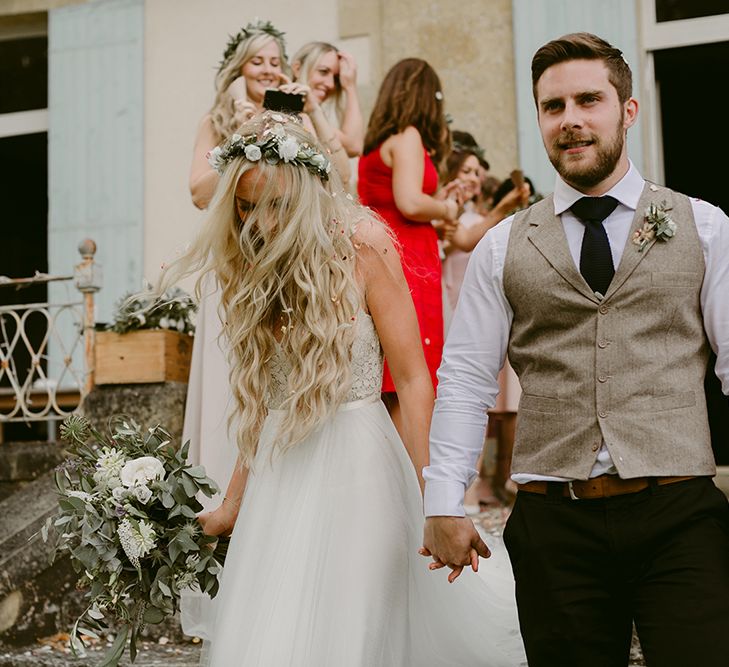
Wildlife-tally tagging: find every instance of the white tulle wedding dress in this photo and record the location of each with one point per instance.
(323, 569)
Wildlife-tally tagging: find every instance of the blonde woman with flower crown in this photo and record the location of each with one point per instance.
(324, 503)
(254, 61)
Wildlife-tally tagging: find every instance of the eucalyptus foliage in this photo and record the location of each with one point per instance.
(173, 310)
(127, 517)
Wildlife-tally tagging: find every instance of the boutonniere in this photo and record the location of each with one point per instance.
(657, 225)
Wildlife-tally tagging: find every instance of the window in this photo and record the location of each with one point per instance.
(677, 10)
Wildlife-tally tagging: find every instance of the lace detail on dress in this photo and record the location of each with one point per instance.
(366, 366)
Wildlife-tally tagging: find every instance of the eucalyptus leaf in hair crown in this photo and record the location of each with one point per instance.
(250, 31)
(274, 146)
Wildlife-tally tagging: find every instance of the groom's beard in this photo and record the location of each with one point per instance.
(587, 173)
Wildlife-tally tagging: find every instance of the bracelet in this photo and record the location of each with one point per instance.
(236, 503)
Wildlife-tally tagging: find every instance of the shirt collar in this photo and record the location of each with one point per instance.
(627, 191)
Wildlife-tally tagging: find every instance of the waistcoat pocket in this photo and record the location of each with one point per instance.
(545, 404)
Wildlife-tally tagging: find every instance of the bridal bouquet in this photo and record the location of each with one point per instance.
(127, 517)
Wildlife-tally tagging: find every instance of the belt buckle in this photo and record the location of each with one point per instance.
(572, 492)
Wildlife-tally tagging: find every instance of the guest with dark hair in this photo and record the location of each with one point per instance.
(407, 139)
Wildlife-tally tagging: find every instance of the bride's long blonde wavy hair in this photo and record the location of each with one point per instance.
(287, 277)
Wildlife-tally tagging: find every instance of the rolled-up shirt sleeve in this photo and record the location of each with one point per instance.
(473, 355)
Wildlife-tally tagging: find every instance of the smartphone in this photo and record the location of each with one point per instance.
(517, 178)
(275, 100)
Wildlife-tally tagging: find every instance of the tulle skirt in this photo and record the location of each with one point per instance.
(323, 569)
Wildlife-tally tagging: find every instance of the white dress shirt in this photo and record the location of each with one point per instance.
(477, 341)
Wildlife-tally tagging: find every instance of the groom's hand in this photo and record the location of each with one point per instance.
(453, 541)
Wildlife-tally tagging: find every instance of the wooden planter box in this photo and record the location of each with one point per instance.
(152, 355)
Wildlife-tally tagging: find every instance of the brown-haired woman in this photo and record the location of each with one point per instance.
(406, 138)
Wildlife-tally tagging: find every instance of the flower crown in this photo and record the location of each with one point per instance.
(470, 148)
(246, 33)
(274, 146)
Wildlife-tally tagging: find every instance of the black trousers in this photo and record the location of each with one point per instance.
(586, 570)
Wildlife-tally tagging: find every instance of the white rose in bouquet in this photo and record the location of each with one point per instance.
(142, 470)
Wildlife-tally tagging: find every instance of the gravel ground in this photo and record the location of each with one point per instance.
(54, 652)
(151, 654)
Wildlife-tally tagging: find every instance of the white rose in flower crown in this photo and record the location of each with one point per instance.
(278, 130)
(142, 493)
(215, 158)
(253, 153)
(142, 470)
(318, 160)
(288, 149)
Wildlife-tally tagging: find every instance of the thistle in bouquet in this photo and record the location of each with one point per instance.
(127, 518)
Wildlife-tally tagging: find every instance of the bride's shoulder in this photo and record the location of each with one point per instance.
(373, 238)
(378, 256)
(369, 230)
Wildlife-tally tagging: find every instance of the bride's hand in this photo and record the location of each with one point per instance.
(453, 542)
(219, 521)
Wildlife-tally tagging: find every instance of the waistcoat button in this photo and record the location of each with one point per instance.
(603, 309)
(602, 414)
(602, 378)
(595, 448)
(602, 344)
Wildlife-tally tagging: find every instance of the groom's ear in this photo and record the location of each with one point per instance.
(630, 115)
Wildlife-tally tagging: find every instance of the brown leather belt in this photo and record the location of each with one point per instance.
(603, 486)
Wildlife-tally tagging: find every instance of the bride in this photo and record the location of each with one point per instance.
(324, 504)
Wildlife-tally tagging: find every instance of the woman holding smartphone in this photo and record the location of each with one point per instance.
(254, 61)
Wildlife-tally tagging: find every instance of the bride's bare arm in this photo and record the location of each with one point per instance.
(391, 306)
(221, 520)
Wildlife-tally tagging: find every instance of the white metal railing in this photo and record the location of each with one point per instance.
(49, 390)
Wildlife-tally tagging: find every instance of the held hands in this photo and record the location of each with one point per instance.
(454, 542)
(454, 196)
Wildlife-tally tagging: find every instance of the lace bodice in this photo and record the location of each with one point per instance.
(366, 366)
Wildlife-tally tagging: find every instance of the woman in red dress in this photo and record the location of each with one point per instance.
(407, 137)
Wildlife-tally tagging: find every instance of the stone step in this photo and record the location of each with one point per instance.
(36, 598)
(23, 461)
(21, 516)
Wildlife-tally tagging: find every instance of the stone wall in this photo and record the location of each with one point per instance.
(469, 44)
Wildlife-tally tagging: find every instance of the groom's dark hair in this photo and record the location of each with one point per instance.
(584, 46)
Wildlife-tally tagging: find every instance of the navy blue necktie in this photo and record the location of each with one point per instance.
(596, 260)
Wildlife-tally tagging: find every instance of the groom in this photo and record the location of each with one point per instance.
(607, 296)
